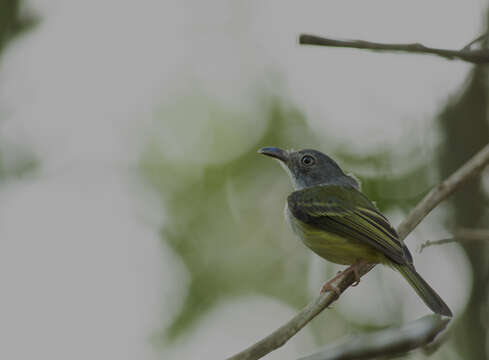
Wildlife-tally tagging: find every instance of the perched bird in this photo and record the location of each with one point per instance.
(338, 222)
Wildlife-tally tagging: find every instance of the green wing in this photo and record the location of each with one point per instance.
(348, 213)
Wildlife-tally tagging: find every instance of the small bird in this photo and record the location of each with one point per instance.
(338, 222)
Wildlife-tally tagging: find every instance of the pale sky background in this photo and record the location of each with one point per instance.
(81, 91)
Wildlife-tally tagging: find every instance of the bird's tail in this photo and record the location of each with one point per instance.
(425, 292)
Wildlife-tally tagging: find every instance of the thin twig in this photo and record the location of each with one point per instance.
(460, 235)
(280, 336)
(429, 243)
(476, 40)
(479, 56)
(392, 341)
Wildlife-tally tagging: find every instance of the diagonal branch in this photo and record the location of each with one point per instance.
(466, 172)
(280, 336)
(478, 56)
(388, 342)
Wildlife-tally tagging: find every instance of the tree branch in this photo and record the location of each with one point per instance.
(386, 343)
(460, 235)
(280, 336)
(479, 56)
(466, 172)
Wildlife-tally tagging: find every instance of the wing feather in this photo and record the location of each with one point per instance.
(348, 213)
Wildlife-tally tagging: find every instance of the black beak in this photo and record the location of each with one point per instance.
(276, 153)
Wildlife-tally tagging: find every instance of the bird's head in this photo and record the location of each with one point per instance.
(309, 167)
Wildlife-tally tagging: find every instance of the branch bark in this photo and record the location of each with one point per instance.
(477, 56)
(280, 336)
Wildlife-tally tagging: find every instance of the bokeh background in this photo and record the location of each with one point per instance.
(137, 220)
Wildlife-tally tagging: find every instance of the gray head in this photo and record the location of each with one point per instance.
(309, 168)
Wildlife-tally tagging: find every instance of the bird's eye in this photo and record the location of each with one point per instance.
(308, 160)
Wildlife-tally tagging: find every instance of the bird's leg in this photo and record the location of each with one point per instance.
(352, 268)
(355, 268)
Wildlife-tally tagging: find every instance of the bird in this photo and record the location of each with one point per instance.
(336, 220)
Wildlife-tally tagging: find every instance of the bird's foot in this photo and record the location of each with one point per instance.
(353, 268)
(330, 284)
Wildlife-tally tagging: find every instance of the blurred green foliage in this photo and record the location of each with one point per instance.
(24, 163)
(226, 221)
(13, 20)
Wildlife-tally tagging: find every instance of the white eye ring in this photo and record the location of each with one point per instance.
(308, 160)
